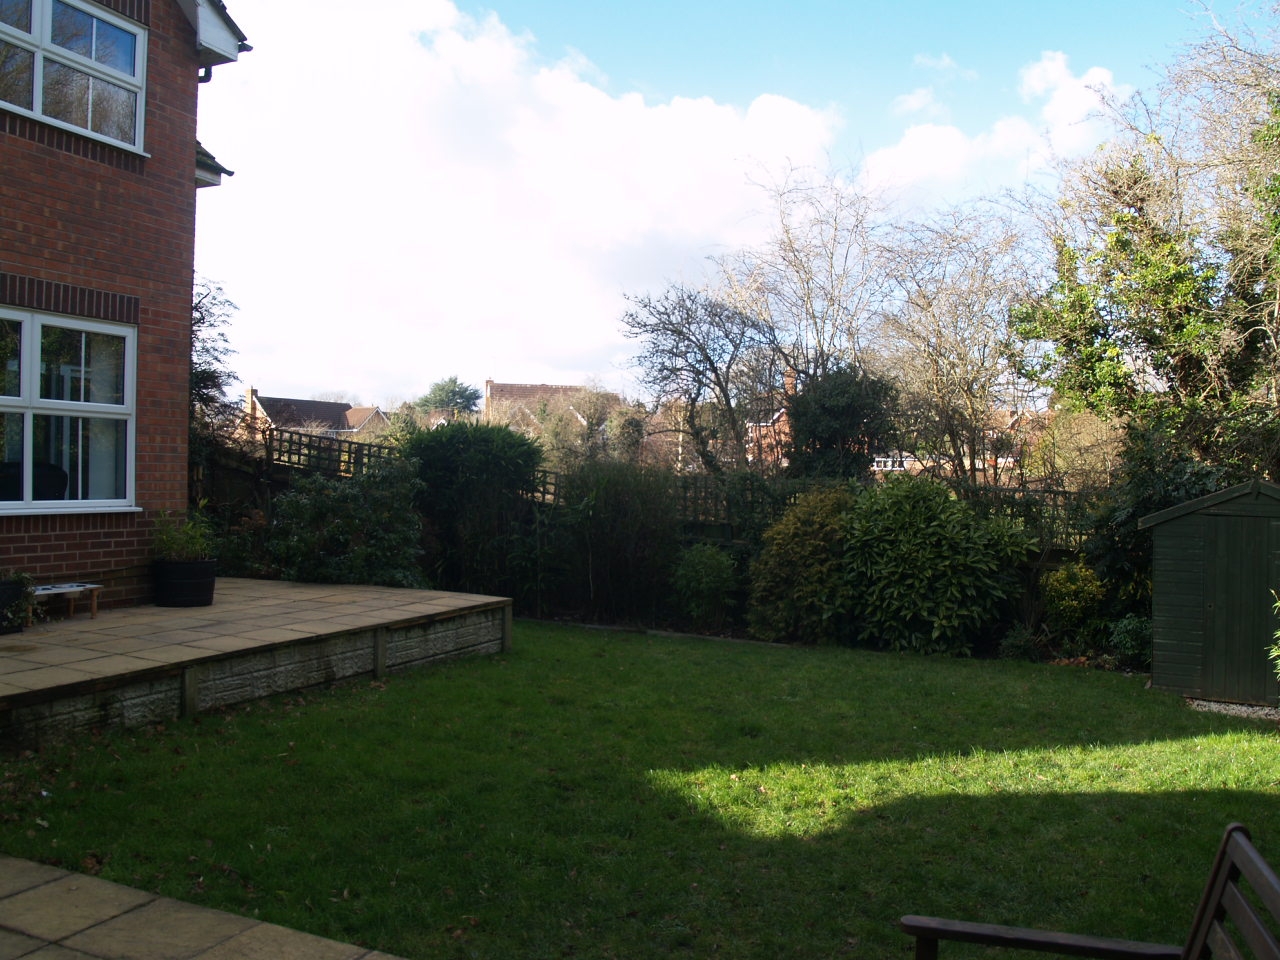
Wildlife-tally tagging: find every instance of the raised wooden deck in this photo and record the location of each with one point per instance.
(139, 665)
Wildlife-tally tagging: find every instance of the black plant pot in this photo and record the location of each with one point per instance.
(184, 583)
(11, 592)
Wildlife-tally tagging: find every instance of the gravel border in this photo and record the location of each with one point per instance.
(1236, 709)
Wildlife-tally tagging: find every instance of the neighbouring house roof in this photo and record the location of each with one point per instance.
(291, 414)
(506, 398)
(527, 394)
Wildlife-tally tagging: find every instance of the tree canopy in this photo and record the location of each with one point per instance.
(839, 423)
(211, 311)
(449, 394)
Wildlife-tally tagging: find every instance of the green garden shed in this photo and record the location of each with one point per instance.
(1216, 561)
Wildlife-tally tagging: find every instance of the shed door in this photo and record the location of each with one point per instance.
(1238, 618)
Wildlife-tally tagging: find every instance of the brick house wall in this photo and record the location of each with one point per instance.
(94, 231)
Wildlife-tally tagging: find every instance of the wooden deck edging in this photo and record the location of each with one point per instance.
(220, 679)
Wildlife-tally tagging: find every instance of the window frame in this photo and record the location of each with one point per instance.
(40, 43)
(29, 404)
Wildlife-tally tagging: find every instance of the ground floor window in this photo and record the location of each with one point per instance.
(66, 413)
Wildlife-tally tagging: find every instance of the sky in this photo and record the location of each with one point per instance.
(437, 188)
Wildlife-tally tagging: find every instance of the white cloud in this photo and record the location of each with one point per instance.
(1070, 110)
(921, 100)
(1064, 121)
(943, 62)
(421, 197)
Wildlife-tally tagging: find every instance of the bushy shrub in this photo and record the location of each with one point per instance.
(705, 583)
(799, 586)
(1156, 470)
(244, 545)
(475, 499)
(612, 544)
(927, 573)
(355, 530)
(1130, 642)
(1022, 642)
(1075, 602)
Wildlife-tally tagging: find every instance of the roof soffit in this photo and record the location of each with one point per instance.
(218, 39)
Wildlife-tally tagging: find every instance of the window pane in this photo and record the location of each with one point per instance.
(61, 353)
(114, 111)
(16, 13)
(11, 456)
(114, 47)
(81, 366)
(17, 75)
(72, 29)
(78, 458)
(66, 94)
(10, 358)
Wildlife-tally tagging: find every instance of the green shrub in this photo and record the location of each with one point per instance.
(475, 499)
(360, 529)
(185, 538)
(705, 582)
(1273, 651)
(1075, 600)
(1130, 642)
(613, 543)
(928, 574)
(1156, 471)
(244, 545)
(799, 587)
(1022, 642)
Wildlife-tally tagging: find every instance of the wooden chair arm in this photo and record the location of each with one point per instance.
(929, 930)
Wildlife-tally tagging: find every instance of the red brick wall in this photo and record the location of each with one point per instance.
(90, 230)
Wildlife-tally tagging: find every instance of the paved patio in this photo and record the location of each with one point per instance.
(56, 915)
(135, 665)
(138, 664)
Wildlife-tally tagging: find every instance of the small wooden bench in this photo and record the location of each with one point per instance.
(1238, 917)
(72, 591)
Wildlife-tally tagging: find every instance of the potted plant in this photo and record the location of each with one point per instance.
(16, 597)
(185, 567)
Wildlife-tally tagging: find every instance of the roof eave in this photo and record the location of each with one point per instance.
(218, 39)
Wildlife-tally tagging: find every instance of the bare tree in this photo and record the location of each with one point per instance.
(816, 282)
(705, 359)
(945, 338)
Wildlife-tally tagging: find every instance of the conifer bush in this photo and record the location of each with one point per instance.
(800, 591)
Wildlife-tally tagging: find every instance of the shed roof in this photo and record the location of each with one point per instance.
(1249, 490)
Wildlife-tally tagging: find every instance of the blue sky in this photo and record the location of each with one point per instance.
(858, 56)
(471, 189)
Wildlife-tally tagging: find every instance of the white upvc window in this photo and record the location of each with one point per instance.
(67, 414)
(75, 65)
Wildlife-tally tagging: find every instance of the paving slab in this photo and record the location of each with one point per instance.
(52, 914)
(61, 908)
(160, 930)
(14, 945)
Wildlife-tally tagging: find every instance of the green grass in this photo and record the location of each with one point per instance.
(597, 794)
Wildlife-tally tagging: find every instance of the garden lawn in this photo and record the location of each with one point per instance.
(599, 794)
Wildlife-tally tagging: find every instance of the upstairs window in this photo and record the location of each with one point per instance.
(74, 64)
(66, 413)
